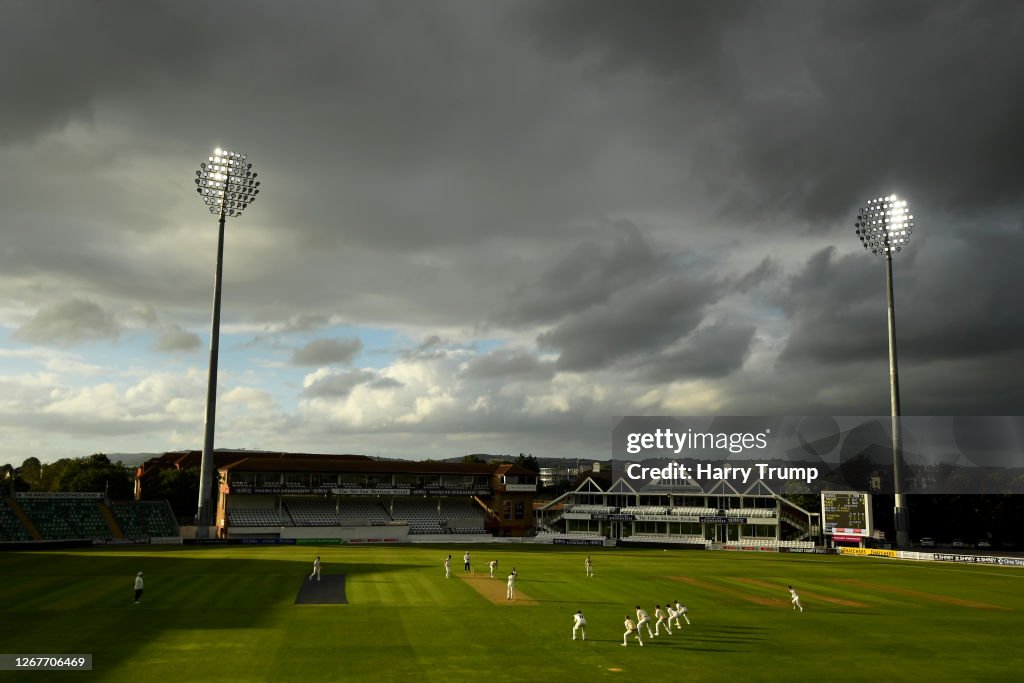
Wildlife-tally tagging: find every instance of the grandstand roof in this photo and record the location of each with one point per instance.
(299, 463)
(183, 459)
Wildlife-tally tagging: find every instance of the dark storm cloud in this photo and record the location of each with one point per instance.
(587, 276)
(59, 62)
(327, 352)
(508, 365)
(637, 321)
(955, 298)
(822, 105)
(714, 351)
(659, 35)
(69, 322)
(837, 308)
(765, 271)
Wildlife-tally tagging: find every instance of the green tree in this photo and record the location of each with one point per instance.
(528, 461)
(30, 471)
(179, 487)
(94, 473)
(473, 460)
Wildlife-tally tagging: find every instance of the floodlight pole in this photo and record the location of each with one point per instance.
(900, 516)
(884, 226)
(227, 185)
(204, 514)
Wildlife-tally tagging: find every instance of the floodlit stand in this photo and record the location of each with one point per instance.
(227, 185)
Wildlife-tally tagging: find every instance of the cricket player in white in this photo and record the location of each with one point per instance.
(589, 565)
(579, 624)
(641, 619)
(492, 565)
(316, 569)
(465, 562)
(795, 599)
(631, 628)
(660, 615)
(673, 615)
(448, 567)
(510, 591)
(681, 609)
(138, 587)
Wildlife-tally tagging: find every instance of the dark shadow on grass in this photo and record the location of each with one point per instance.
(577, 602)
(187, 588)
(732, 629)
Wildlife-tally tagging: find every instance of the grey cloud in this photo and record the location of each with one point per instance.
(766, 270)
(713, 351)
(175, 339)
(637, 321)
(510, 365)
(306, 322)
(327, 352)
(385, 383)
(69, 322)
(663, 36)
(94, 50)
(589, 275)
(838, 306)
(339, 385)
(798, 103)
(429, 342)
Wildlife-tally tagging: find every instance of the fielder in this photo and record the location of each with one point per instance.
(641, 619)
(316, 569)
(660, 615)
(492, 565)
(631, 628)
(673, 615)
(589, 566)
(795, 599)
(681, 609)
(579, 624)
(510, 590)
(448, 567)
(138, 587)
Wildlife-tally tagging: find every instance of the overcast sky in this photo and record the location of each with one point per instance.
(499, 226)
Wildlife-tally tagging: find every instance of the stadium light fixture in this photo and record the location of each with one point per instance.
(227, 185)
(884, 227)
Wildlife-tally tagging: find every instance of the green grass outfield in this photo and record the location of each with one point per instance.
(227, 613)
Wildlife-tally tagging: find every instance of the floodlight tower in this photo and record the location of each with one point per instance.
(884, 227)
(227, 185)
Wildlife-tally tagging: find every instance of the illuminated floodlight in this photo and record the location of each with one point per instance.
(884, 225)
(227, 183)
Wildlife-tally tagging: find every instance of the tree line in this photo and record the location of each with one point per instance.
(96, 473)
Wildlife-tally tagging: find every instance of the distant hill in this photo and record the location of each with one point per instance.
(585, 463)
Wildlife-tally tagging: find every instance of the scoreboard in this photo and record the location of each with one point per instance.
(846, 513)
